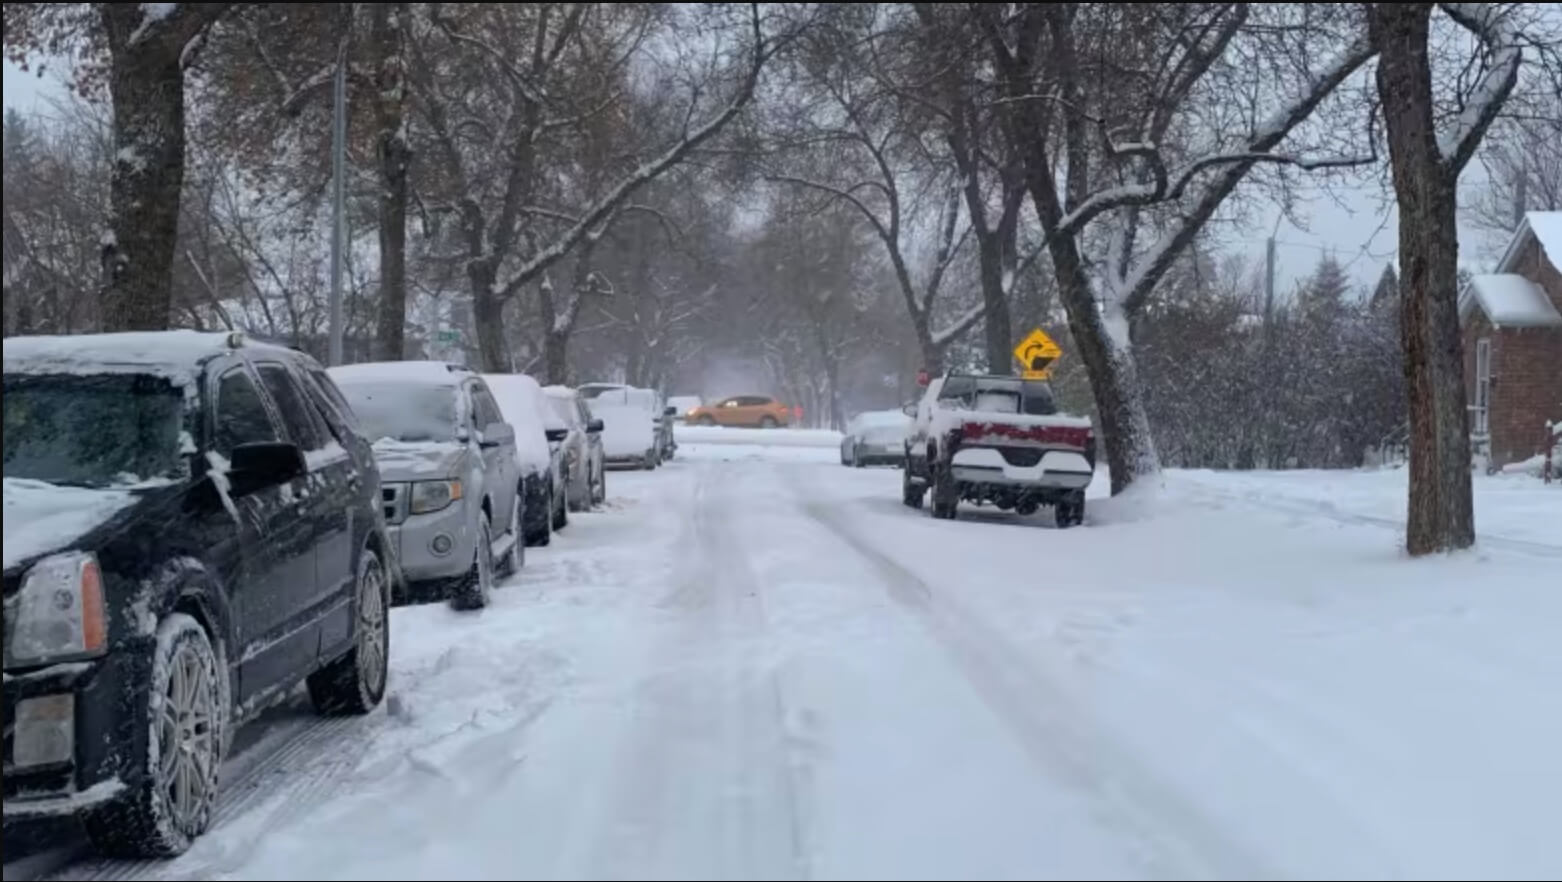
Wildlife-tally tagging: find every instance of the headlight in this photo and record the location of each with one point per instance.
(58, 612)
(430, 496)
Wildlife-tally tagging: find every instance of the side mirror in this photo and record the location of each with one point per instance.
(556, 434)
(496, 434)
(669, 410)
(595, 425)
(261, 464)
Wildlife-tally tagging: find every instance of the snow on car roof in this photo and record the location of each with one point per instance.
(177, 355)
(1510, 300)
(423, 373)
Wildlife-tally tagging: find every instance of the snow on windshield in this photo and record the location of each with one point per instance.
(93, 430)
(403, 411)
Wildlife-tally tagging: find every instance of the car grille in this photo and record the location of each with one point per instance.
(1022, 457)
(396, 498)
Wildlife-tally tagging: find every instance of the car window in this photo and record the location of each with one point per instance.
(241, 415)
(485, 409)
(298, 416)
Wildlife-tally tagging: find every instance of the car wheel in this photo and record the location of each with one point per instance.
(600, 495)
(768, 422)
(515, 558)
(649, 464)
(355, 683)
(706, 421)
(185, 718)
(477, 588)
(911, 490)
(857, 458)
(1070, 511)
(561, 511)
(946, 496)
(582, 492)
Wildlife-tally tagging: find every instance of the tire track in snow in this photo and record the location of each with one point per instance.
(705, 788)
(1178, 840)
(292, 772)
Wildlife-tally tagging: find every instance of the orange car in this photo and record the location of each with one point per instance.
(743, 410)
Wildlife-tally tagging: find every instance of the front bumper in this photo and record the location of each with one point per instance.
(107, 732)
(415, 537)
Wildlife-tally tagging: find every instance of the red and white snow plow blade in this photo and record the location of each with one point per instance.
(1038, 452)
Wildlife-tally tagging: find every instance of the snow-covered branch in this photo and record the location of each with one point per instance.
(960, 325)
(1485, 21)
(592, 219)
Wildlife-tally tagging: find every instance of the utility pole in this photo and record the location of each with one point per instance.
(338, 191)
(1269, 283)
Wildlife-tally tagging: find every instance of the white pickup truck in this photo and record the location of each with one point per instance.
(998, 440)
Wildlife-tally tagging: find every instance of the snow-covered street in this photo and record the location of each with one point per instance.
(755, 663)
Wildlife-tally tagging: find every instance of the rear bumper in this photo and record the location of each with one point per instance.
(1055, 470)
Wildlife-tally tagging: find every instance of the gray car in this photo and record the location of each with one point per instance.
(448, 472)
(583, 460)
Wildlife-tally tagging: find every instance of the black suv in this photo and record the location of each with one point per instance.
(191, 528)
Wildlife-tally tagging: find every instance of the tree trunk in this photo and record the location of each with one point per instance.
(1000, 342)
(146, 83)
(1112, 370)
(394, 155)
(1441, 515)
(555, 357)
(488, 318)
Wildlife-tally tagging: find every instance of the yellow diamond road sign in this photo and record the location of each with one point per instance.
(1036, 353)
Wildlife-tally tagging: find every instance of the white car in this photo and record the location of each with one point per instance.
(538, 434)
(875, 437)
(630, 430)
(585, 472)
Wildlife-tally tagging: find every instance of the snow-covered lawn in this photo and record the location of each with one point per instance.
(756, 663)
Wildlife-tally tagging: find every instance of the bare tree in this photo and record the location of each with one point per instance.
(1426, 169)
(388, 38)
(148, 48)
(1117, 109)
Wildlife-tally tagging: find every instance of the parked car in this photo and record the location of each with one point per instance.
(629, 428)
(192, 527)
(538, 435)
(682, 405)
(998, 440)
(875, 437)
(583, 461)
(452, 499)
(756, 411)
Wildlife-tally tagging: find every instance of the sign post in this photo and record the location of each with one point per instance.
(1036, 353)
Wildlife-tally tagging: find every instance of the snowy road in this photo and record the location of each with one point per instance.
(758, 664)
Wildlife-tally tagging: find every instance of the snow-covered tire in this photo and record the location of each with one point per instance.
(599, 495)
(649, 463)
(515, 558)
(561, 511)
(477, 586)
(857, 459)
(355, 683)
(768, 422)
(170, 801)
(911, 490)
(946, 496)
(582, 493)
(1070, 511)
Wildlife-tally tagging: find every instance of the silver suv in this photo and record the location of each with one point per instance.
(448, 474)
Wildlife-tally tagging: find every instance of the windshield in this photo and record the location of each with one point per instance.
(403, 412)
(565, 409)
(998, 394)
(92, 430)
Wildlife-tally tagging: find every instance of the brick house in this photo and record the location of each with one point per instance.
(1511, 324)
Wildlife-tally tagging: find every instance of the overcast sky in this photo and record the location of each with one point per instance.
(1355, 225)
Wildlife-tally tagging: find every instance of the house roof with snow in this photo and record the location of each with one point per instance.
(1509, 299)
